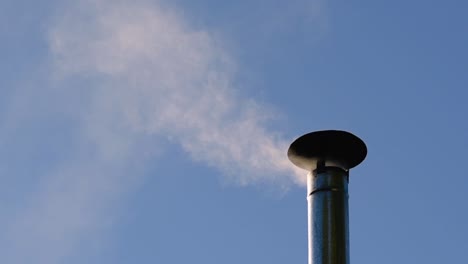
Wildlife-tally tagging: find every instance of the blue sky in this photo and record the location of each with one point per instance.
(156, 131)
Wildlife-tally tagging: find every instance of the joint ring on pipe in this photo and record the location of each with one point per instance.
(329, 189)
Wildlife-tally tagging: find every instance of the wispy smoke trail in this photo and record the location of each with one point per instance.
(147, 74)
(159, 76)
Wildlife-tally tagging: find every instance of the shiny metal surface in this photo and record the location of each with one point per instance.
(327, 199)
(328, 155)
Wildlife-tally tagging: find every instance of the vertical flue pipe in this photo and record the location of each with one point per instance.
(327, 156)
(327, 199)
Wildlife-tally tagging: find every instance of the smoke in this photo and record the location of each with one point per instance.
(129, 73)
(160, 77)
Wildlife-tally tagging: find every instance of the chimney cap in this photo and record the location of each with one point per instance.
(328, 146)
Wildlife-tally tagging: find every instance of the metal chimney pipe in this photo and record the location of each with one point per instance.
(328, 155)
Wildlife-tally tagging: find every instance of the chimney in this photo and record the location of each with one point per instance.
(327, 156)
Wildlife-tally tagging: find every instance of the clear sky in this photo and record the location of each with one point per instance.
(156, 131)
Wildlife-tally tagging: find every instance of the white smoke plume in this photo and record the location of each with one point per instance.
(146, 73)
(158, 76)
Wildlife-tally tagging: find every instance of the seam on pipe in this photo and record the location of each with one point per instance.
(330, 189)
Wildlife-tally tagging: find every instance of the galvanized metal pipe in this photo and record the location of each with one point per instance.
(328, 155)
(327, 198)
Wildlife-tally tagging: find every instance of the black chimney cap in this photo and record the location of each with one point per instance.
(327, 146)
